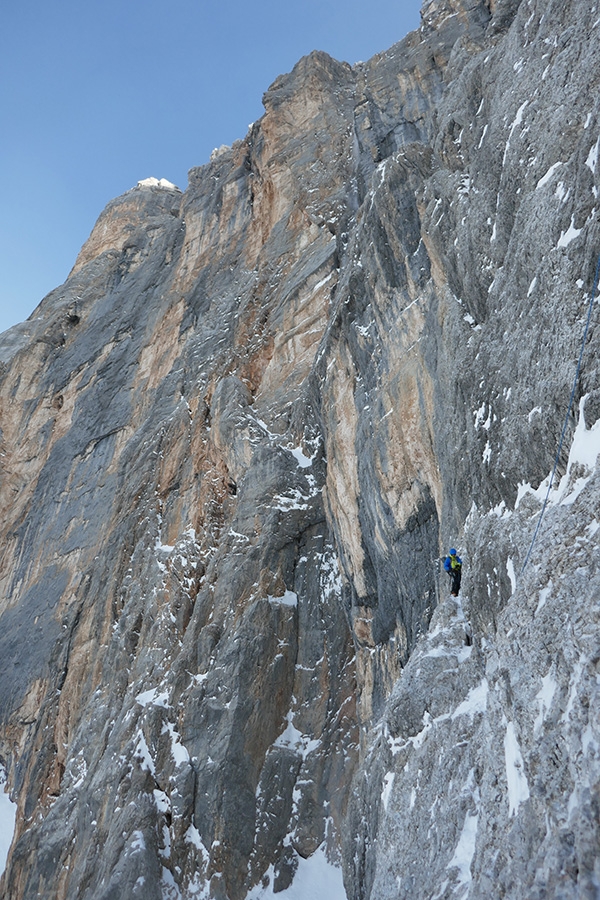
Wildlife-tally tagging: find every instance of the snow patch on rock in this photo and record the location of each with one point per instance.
(518, 788)
(157, 183)
(8, 813)
(315, 877)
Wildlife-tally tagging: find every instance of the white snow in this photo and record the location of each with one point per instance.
(586, 441)
(560, 191)
(293, 739)
(544, 594)
(544, 697)
(138, 842)
(524, 488)
(532, 286)
(153, 698)
(168, 886)
(303, 461)
(569, 235)
(163, 804)
(465, 185)
(178, 751)
(449, 652)
(475, 701)
(465, 850)
(518, 789)
(546, 178)
(592, 528)
(583, 453)
(479, 414)
(157, 182)
(323, 281)
(510, 570)
(164, 548)
(575, 679)
(8, 813)
(419, 739)
(502, 511)
(588, 740)
(78, 769)
(517, 121)
(165, 850)
(592, 160)
(192, 836)
(316, 878)
(288, 599)
(388, 783)
(295, 500)
(219, 151)
(143, 754)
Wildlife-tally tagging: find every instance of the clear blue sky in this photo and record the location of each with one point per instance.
(95, 96)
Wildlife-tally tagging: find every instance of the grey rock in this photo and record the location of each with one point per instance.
(236, 443)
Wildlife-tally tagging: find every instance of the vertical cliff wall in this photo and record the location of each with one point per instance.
(234, 445)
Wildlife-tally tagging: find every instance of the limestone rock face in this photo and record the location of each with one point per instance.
(235, 444)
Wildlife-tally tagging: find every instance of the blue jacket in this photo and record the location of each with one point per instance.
(448, 563)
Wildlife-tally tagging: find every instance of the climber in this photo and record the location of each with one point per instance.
(453, 566)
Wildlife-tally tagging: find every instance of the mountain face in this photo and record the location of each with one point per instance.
(235, 445)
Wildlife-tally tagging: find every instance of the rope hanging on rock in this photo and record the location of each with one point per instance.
(564, 431)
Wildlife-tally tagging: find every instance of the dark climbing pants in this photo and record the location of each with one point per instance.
(455, 576)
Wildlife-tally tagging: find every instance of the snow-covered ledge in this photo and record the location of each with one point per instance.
(158, 182)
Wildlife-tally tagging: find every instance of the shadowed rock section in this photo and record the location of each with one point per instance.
(234, 445)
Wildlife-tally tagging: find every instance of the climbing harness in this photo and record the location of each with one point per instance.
(564, 431)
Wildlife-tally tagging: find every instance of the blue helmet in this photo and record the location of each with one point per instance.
(452, 552)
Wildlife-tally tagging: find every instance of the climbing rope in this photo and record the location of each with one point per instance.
(564, 431)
